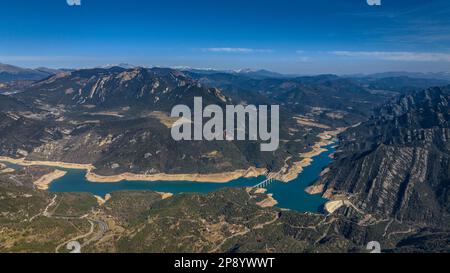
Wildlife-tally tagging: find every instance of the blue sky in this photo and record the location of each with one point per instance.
(289, 36)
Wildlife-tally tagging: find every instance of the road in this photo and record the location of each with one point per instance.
(102, 226)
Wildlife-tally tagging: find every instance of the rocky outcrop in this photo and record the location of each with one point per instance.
(106, 88)
(398, 163)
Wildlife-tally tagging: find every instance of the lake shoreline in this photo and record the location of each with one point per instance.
(224, 177)
(44, 182)
(290, 174)
(294, 171)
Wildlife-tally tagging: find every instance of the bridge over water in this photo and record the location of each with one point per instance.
(265, 183)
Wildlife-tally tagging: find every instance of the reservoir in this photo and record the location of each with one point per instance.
(290, 195)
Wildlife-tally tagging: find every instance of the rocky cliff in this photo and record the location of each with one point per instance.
(397, 164)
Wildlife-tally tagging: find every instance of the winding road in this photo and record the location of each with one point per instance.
(103, 226)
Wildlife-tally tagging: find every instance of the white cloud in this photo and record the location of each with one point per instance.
(396, 55)
(237, 50)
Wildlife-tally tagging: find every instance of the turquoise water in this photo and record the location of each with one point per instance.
(75, 181)
(292, 195)
(289, 195)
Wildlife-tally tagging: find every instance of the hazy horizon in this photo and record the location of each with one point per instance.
(223, 70)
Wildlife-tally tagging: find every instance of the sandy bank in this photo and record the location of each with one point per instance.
(4, 169)
(293, 171)
(44, 182)
(269, 202)
(165, 195)
(102, 201)
(315, 189)
(64, 165)
(213, 178)
(7, 170)
(224, 177)
(333, 206)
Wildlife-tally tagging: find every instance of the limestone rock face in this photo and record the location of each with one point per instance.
(398, 163)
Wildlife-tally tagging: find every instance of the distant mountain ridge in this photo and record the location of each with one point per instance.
(14, 73)
(155, 88)
(394, 74)
(400, 84)
(250, 73)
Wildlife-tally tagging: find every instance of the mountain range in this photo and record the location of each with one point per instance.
(15, 73)
(98, 105)
(389, 180)
(119, 120)
(397, 164)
